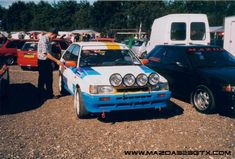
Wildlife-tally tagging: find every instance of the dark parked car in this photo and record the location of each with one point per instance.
(4, 82)
(205, 74)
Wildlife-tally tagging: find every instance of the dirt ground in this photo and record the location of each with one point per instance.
(51, 130)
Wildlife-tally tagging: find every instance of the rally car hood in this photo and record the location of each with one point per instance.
(101, 75)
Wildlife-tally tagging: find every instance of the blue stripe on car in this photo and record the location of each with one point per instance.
(146, 69)
(85, 71)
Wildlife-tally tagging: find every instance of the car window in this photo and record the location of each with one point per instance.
(210, 57)
(20, 44)
(12, 44)
(2, 41)
(74, 53)
(68, 52)
(178, 31)
(107, 58)
(157, 52)
(197, 31)
(29, 47)
(63, 45)
(175, 54)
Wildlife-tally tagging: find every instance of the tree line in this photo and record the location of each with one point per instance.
(105, 16)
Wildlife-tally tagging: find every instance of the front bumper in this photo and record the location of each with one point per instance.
(125, 101)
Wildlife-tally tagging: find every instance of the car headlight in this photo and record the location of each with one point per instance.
(154, 78)
(161, 86)
(95, 89)
(229, 88)
(141, 79)
(115, 80)
(129, 80)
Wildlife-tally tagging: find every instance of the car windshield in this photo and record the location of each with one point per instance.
(211, 57)
(29, 47)
(107, 58)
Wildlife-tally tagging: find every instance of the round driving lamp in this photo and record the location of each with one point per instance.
(141, 80)
(129, 80)
(115, 80)
(154, 79)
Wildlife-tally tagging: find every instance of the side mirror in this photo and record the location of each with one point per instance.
(145, 61)
(71, 63)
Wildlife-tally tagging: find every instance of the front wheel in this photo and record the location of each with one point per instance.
(80, 109)
(203, 99)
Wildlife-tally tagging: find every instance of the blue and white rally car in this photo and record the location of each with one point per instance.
(105, 77)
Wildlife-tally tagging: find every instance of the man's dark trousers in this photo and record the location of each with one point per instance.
(45, 78)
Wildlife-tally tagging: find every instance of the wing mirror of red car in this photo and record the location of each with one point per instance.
(145, 61)
(71, 63)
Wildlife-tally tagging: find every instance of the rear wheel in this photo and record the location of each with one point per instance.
(203, 99)
(10, 60)
(80, 109)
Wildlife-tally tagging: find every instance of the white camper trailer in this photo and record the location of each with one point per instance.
(179, 29)
(229, 34)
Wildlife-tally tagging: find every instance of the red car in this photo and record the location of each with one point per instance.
(27, 56)
(8, 49)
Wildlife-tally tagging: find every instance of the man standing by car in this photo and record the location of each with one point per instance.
(45, 68)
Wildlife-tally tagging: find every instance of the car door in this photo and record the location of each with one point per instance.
(177, 69)
(10, 48)
(69, 76)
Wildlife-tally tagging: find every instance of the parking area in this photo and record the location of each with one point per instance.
(29, 129)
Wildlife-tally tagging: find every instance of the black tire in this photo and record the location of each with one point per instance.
(80, 109)
(10, 60)
(62, 90)
(203, 99)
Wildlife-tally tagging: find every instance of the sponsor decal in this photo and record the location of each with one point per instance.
(85, 71)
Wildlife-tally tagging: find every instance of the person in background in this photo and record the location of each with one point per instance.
(77, 37)
(45, 68)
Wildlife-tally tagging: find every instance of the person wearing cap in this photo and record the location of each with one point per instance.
(45, 67)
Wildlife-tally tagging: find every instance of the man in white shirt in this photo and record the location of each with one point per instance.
(45, 68)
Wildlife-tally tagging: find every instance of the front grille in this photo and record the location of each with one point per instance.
(132, 104)
(133, 97)
(132, 89)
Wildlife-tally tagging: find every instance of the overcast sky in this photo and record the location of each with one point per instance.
(7, 3)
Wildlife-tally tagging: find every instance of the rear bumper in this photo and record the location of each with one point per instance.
(27, 62)
(157, 99)
(226, 100)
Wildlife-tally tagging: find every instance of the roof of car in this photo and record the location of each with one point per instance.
(97, 43)
(188, 46)
(102, 45)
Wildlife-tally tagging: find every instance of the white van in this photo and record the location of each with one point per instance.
(229, 34)
(180, 29)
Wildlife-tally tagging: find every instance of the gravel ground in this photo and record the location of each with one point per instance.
(52, 130)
